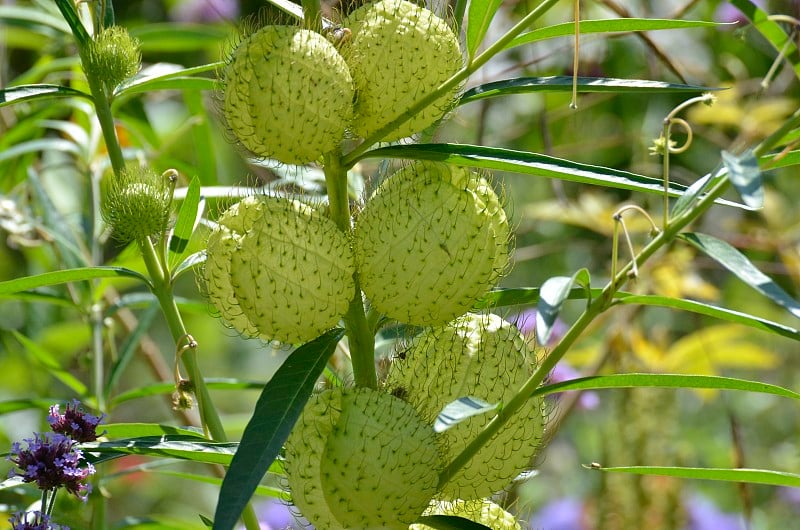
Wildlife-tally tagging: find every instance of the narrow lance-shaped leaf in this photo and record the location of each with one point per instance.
(752, 476)
(459, 410)
(561, 83)
(185, 225)
(664, 381)
(553, 293)
(614, 25)
(67, 8)
(745, 176)
(736, 262)
(69, 275)
(481, 13)
(21, 93)
(450, 522)
(534, 164)
(276, 412)
(772, 31)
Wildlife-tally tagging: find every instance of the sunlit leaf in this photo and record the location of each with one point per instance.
(67, 8)
(276, 412)
(524, 85)
(167, 76)
(69, 275)
(613, 25)
(551, 297)
(459, 410)
(19, 94)
(481, 13)
(751, 476)
(736, 262)
(188, 219)
(166, 446)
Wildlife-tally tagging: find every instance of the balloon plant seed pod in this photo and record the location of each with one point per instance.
(398, 53)
(112, 57)
(484, 357)
(287, 94)
(430, 242)
(361, 458)
(481, 511)
(137, 204)
(232, 225)
(279, 269)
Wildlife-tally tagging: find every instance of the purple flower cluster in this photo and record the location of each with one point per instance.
(33, 521)
(75, 422)
(52, 461)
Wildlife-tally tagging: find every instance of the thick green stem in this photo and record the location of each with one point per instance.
(359, 333)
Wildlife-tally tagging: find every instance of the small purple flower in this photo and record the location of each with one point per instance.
(588, 400)
(39, 521)
(704, 515)
(51, 461)
(75, 422)
(205, 10)
(526, 323)
(726, 12)
(275, 514)
(560, 514)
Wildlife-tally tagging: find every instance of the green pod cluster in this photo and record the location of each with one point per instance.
(287, 94)
(481, 511)
(430, 242)
(398, 53)
(480, 356)
(361, 459)
(278, 269)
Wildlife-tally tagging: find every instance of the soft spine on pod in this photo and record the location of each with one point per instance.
(287, 94)
(278, 269)
(361, 459)
(480, 356)
(399, 52)
(430, 242)
(481, 511)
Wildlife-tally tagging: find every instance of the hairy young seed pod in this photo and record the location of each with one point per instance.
(482, 511)
(112, 57)
(222, 243)
(361, 459)
(398, 53)
(430, 242)
(137, 204)
(292, 271)
(480, 356)
(287, 94)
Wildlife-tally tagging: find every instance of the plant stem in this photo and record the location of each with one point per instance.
(359, 333)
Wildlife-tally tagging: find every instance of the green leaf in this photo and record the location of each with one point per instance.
(69, 275)
(745, 175)
(67, 8)
(530, 164)
(14, 405)
(459, 410)
(560, 83)
(777, 160)
(130, 346)
(752, 476)
(664, 381)
(263, 491)
(21, 93)
(27, 16)
(614, 25)
(167, 76)
(710, 310)
(141, 430)
(738, 264)
(188, 218)
(481, 13)
(46, 360)
(551, 297)
(158, 389)
(166, 446)
(174, 37)
(191, 261)
(503, 297)
(276, 412)
(772, 31)
(450, 522)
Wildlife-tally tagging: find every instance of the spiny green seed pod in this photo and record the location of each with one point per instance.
(480, 356)
(137, 204)
(482, 511)
(112, 57)
(287, 94)
(430, 242)
(399, 52)
(292, 271)
(222, 243)
(361, 459)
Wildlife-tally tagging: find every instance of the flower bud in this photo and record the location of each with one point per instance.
(287, 94)
(113, 56)
(398, 53)
(480, 356)
(137, 204)
(430, 242)
(360, 458)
